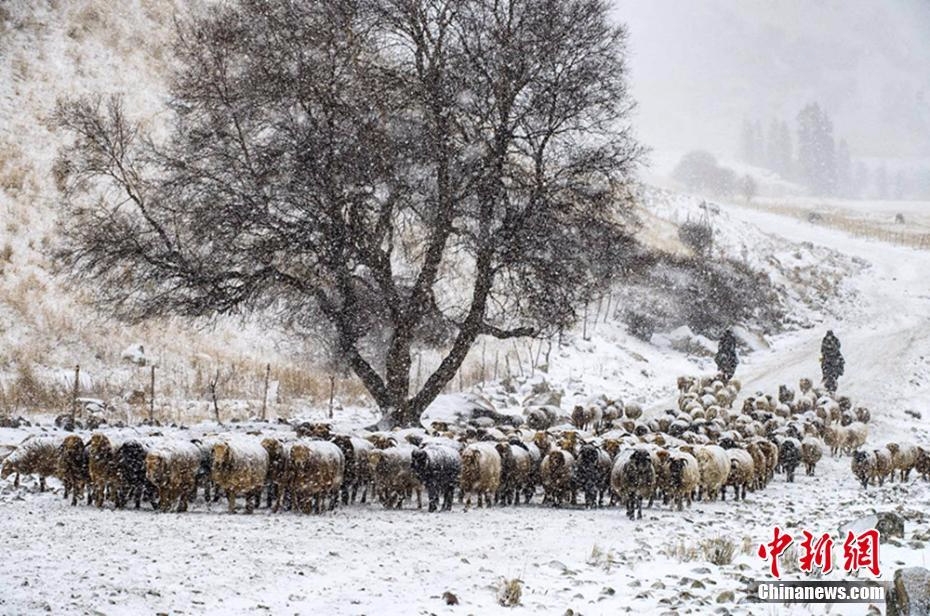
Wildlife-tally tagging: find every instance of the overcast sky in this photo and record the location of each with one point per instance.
(700, 66)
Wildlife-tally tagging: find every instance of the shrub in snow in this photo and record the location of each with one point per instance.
(509, 592)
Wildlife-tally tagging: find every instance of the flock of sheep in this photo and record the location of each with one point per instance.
(602, 449)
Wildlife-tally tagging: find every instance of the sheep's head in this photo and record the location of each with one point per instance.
(156, 469)
(641, 457)
(274, 448)
(7, 469)
(893, 448)
(419, 460)
(542, 441)
(374, 459)
(578, 416)
(612, 446)
(99, 443)
(222, 456)
(588, 455)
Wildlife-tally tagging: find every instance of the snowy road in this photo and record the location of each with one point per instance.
(885, 337)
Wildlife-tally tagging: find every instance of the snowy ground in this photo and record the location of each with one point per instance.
(365, 560)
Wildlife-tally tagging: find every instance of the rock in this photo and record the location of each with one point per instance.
(726, 596)
(888, 524)
(134, 354)
(658, 585)
(66, 422)
(450, 598)
(909, 594)
(12, 422)
(607, 590)
(698, 584)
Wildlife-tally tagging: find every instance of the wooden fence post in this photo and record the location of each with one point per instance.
(74, 394)
(265, 393)
(152, 398)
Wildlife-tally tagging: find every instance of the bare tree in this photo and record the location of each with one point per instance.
(393, 172)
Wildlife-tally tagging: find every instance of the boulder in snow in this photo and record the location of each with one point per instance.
(909, 594)
(888, 524)
(135, 354)
(465, 409)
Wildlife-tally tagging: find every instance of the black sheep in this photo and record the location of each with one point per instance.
(130, 461)
(438, 468)
(592, 474)
(789, 456)
(638, 479)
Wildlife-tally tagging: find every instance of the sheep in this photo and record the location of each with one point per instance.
(633, 411)
(315, 470)
(770, 451)
(884, 465)
(240, 466)
(276, 479)
(587, 418)
(37, 455)
(129, 458)
(394, 479)
(556, 472)
(481, 472)
(357, 470)
(759, 465)
(612, 412)
(856, 435)
(835, 438)
(438, 468)
(789, 456)
(903, 459)
(811, 452)
(922, 464)
(714, 468)
(542, 417)
(205, 468)
(102, 467)
(72, 467)
(633, 478)
(171, 466)
(592, 474)
(517, 473)
(742, 471)
(864, 466)
(682, 477)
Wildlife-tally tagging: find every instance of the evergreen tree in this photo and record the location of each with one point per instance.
(843, 170)
(881, 182)
(816, 150)
(747, 143)
(758, 138)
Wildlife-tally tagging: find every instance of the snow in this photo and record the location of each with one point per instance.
(364, 559)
